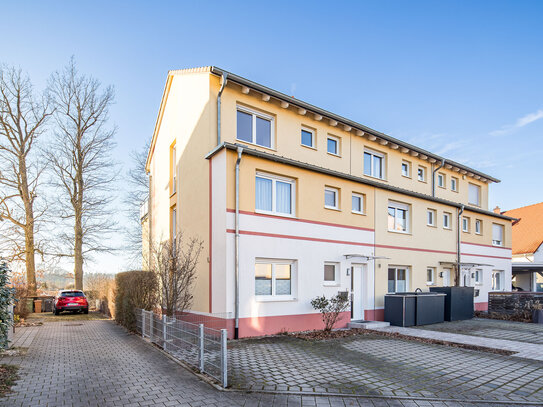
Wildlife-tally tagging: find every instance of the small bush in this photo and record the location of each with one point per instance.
(6, 297)
(330, 308)
(134, 289)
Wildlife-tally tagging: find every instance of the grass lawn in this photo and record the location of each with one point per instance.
(65, 316)
(8, 376)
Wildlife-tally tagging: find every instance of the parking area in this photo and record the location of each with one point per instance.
(375, 365)
(493, 329)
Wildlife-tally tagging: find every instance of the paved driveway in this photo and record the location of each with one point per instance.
(376, 365)
(97, 363)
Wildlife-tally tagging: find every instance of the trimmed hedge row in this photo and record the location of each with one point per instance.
(134, 289)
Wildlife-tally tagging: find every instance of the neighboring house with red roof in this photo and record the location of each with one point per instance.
(527, 250)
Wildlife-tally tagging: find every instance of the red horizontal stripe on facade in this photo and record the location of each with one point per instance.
(487, 245)
(414, 249)
(316, 222)
(485, 255)
(312, 239)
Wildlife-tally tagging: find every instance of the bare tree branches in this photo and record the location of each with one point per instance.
(22, 122)
(138, 192)
(80, 157)
(175, 263)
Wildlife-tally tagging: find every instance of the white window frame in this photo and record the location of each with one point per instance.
(274, 179)
(478, 226)
(479, 191)
(308, 130)
(334, 282)
(502, 282)
(495, 241)
(336, 194)
(454, 184)
(255, 114)
(407, 276)
(362, 198)
(293, 278)
(465, 224)
(373, 154)
(433, 214)
(443, 182)
(448, 216)
(432, 281)
(478, 276)
(423, 173)
(408, 167)
(338, 145)
(407, 208)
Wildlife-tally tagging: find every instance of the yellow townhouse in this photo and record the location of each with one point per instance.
(293, 201)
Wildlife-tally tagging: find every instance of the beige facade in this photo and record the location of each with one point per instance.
(311, 153)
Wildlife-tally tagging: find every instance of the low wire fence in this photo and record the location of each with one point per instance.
(195, 344)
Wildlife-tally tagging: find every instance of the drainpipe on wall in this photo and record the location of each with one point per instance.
(434, 177)
(459, 224)
(236, 254)
(224, 80)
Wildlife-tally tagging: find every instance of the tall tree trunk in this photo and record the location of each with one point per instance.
(30, 249)
(78, 226)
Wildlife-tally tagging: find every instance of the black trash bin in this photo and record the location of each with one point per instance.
(459, 302)
(414, 308)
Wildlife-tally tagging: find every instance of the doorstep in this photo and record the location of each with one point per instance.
(368, 324)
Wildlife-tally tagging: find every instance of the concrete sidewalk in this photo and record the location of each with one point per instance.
(524, 350)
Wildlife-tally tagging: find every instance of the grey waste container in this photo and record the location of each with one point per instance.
(459, 302)
(410, 308)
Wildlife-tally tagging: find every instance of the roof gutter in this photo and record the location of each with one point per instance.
(307, 106)
(380, 185)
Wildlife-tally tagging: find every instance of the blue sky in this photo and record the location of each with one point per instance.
(462, 79)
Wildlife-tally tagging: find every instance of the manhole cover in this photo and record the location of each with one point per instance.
(73, 324)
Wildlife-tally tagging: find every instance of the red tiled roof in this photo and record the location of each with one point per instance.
(528, 231)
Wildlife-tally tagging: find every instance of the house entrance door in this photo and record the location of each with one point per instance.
(357, 292)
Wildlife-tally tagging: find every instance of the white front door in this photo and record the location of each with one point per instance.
(357, 292)
(446, 277)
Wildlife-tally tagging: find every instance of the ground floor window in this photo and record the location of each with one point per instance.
(478, 276)
(273, 278)
(397, 279)
(497, 281)
(430, 273)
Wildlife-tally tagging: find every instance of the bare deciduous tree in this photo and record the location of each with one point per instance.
(82, 163)
(22, 122)
(138, 191)
(175, 263)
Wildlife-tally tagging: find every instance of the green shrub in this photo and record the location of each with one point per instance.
(134, 289)
(6, 298)
(330, 309)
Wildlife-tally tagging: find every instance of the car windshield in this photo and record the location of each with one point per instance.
(72, 294)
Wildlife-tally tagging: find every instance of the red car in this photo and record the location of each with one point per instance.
(70, 300)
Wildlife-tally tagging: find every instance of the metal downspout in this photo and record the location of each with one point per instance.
(236, 254)
(434, 177)
(224, 80)
(459, 222)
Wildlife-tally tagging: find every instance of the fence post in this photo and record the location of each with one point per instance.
(151, 317)
(224, 358)
(201, 347)
(142, 323)
(164, 332)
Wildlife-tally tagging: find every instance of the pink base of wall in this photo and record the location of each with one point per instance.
(481, 306)
(374, 315)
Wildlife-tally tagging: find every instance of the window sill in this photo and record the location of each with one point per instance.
(256, 145)
(380, 179)
(406, 176)
(310, 147)
(335, 155)
(358, 213)
(431, 226)
(281, 215)
(332, 208)
(330, 284)
(423, 181)
(446, 228)
(286, 298)
(430, 284)
(400, 232)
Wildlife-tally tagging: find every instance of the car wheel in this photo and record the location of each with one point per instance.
(86, 311)
(56, 312)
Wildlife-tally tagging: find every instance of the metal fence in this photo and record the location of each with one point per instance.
(195, 344)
